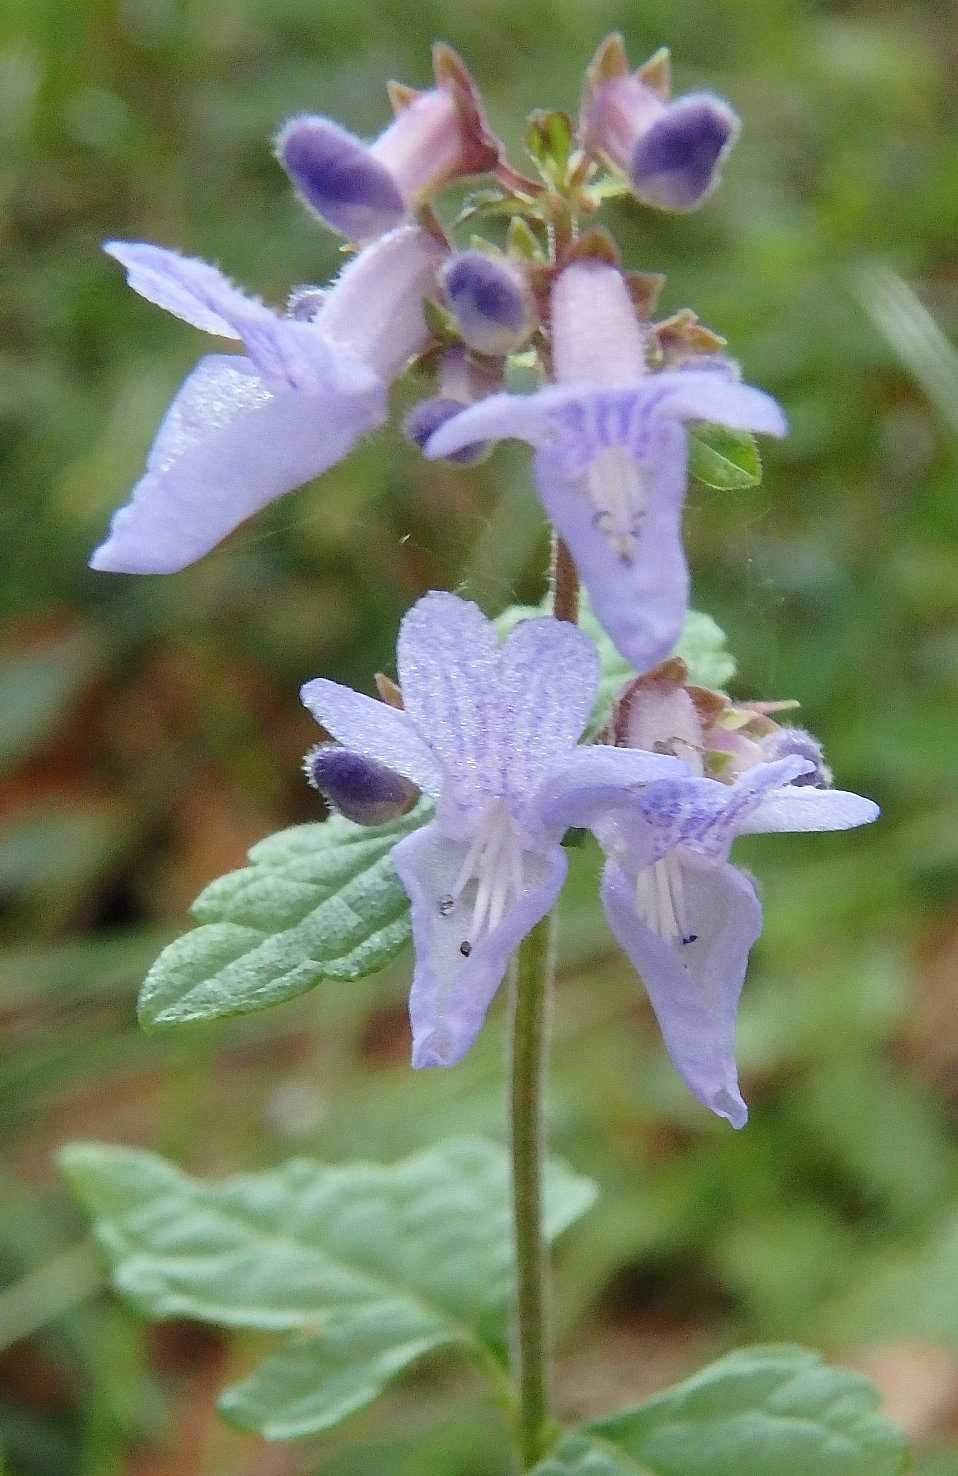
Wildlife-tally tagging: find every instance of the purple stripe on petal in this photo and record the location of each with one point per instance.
(705, 815)
(339, 178)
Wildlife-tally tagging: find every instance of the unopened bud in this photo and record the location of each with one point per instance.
(671, 152)
(676, 163)
(462, 380)
(363, 190)
(656, 712)
(490, 302)
(796, 743)
(339, 177)
(426, 418)
(359, 788)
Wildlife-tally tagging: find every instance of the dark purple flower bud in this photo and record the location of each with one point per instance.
(359, 788)
(490, 302)
(676, 162)
(796, 743)
(339, 177)
(426, 418)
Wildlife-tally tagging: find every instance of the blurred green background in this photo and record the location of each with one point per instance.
(149, 729)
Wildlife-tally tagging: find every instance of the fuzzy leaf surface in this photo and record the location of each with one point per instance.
(365, 1267)
(319, 901)
(766, 1411)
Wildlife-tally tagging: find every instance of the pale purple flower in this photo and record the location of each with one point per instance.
(490, 733)
(611, 462)
(670, 152)
(687, 918)
(244, 429)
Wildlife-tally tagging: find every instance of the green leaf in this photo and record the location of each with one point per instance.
(318, 902)
(549, 138)
(701, 646)
(725, 459)
(366, 1267)
(775, 1411)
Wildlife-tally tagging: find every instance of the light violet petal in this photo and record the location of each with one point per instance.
(709, 394)
(451, 993)
(497, 418)
(794, 808)
(373, 729)
(424, 420)
(229, 444)
(375, 306)
(546, 685)
(704, 815)
(296, 355)
(190, 289)
(694, 989)
(448, 659)
(640, 601)
(596, 335)
(597, 779)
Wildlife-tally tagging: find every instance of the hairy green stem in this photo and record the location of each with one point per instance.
(531, 988)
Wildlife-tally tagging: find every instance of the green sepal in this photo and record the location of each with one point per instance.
(549, 139)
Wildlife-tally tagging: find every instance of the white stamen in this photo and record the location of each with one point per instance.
(616, 487)
(660, 900)
(494, 861)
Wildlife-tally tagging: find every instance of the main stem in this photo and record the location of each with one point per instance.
(530, 1005)
(531, 996)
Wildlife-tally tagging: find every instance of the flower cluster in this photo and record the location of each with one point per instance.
(492, 732)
